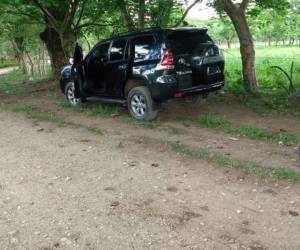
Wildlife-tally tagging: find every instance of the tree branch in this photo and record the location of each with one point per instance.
(84, 25)
(46, 13)
(69, 17)
(187, 11)
(81, 13)
(244, 5)
(126, 15)
(23, 13)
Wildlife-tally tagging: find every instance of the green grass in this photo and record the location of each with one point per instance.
(145, 140)
(7, 64)
(95, 110)
(210, 121)
(38, 115)
(16, 82)
(172, 130)
(270, 96)
(248, 167)
(101, 110)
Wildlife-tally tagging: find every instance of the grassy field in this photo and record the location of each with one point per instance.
(266, 57)
(271, 94)
(7, 64)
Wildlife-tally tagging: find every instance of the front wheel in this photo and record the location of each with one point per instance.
(140, 104)
(70, 94)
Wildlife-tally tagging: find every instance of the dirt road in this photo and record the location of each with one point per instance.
(7, 70)
(64, 188)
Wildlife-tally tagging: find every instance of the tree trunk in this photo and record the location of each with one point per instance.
(142, 10)
(270, 41)
(128, 22)
(228, 43)
(238, 18)
(55, 50)
(31, 63)
(20, 53)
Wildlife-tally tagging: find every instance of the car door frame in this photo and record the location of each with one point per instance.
(91, 89)
(115, 79)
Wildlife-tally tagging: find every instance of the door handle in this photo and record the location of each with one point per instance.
(123, 66)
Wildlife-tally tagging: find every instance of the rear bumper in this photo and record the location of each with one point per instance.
(163, 92)
(201, 89)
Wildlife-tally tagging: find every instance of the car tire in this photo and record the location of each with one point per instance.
(70, 95)
(140, 104)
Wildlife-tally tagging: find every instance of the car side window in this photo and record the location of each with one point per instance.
(117, 50)
(101, 52)
(142, 47)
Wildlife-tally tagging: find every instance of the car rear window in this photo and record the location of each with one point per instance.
(186, 42)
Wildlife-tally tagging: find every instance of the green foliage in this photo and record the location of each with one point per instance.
(221, 30)
(255, 6)
(290, 88)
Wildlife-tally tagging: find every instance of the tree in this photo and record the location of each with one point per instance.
(62, 29)
(237, 14)
(22, 34)
(63, 21)
(226, 30)
(137, 14)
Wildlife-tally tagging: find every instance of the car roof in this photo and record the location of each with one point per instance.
(152, 30)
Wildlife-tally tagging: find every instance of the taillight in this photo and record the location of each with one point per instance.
(167, 58)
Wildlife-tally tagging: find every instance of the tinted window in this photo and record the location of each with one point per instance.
(101, 51)
(142, 47)
(182, 42)
(117, 50)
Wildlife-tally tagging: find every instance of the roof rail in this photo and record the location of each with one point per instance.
(137, 31)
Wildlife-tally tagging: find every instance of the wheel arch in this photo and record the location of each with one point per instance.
(132, 82)
(66, 77)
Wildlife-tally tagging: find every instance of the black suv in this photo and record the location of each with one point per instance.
(144, 69)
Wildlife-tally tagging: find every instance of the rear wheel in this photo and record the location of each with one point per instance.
(140, 104)
(70, 94)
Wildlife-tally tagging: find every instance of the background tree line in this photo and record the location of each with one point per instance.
(268, 27)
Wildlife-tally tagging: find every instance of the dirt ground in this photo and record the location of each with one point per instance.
(68, 188)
